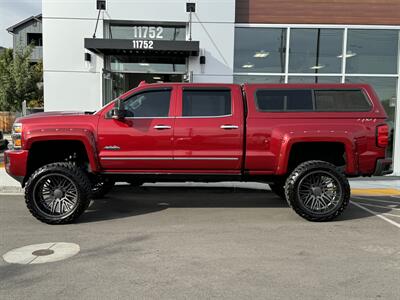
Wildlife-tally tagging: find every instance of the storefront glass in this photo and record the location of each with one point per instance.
(260, 50)
(370, 56)
(315, 50)
(372, 51)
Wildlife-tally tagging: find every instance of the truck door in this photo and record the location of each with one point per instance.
(208, 131)
(144, 139)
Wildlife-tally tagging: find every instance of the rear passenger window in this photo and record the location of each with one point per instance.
(341, 100)
(284, 100)
(206, 103)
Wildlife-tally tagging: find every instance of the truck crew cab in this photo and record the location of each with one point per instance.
(304, 140)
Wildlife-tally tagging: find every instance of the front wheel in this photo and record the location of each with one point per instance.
(57, 193)
(317, 191)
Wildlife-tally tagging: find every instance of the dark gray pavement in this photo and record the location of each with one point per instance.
(206, 241)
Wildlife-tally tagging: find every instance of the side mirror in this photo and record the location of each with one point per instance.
(118, 112)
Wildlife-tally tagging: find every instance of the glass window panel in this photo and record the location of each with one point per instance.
(386, 88)
(341, 100)
(315, 50)
(260, 50)
(284, 100)
(204, 103)
(147, 64)
(150, 32)
(148, 104)
(314, 79)
(372, 51)
(257, 79)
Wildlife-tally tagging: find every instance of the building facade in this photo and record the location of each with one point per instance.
(28, 32)
(285, 41)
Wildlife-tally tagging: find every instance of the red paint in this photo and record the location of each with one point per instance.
(199, 145)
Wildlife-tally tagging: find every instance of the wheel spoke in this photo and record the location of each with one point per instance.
(319, 192)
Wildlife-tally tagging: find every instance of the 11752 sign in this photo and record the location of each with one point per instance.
(142, 44)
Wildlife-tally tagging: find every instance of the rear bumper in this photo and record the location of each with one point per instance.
(15, 162)
(383, 167)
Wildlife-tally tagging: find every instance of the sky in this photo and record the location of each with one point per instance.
(14, 11)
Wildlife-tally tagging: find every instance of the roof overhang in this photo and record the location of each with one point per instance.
(159, 47)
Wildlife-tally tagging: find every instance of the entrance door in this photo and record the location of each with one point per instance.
(143, 140)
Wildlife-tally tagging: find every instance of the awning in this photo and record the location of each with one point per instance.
(142, 47)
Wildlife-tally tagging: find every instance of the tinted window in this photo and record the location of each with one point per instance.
(202, 103)
(148, 104)
(284, 100)
(341, 101)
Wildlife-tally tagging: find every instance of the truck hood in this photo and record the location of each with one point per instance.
(53, 114)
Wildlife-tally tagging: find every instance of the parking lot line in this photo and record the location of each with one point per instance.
(378, 206)
(379, 215)
(378, 200)
(392, 215)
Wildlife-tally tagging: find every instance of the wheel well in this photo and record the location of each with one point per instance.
(46, 152)
(332, 152)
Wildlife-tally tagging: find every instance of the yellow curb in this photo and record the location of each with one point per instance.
(375, 192)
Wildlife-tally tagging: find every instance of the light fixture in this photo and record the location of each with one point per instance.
(317, 67)
(349, 54)
(247, 66)
(144, 64)
(156, 77)
(261, 54)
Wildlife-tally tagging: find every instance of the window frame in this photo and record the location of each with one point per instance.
(155, 89)
(200, 88)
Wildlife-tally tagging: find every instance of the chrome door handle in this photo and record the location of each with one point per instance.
(162, 127)
(227, 127)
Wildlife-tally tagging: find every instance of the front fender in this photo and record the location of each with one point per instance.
(67, 134)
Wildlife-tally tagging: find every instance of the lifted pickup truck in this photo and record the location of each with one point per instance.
(304, 140)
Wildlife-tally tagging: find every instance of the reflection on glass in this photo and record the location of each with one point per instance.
(147, 32)
(257, 79)
(260, 50)
(315, 50)
(372, 51)
(314, 79)
(148, 64)
(386, 88)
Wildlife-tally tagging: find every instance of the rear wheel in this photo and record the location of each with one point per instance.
(317, 191)
(57, 193)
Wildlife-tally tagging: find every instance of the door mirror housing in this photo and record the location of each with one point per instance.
(118, 112)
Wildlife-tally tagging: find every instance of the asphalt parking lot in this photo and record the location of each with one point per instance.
(206, 241)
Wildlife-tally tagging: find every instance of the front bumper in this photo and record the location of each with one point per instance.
(15, 163)
(383, 167)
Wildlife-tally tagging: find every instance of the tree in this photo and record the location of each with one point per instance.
(19, 79)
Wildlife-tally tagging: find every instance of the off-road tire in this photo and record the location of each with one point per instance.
(293, 198)
(74, 174)
(101, 187)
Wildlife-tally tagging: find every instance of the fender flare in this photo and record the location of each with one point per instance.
(288, 142)
(85, 136)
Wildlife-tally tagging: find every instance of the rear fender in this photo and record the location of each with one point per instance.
(289, 140)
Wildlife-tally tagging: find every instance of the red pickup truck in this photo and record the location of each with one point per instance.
(304, 140)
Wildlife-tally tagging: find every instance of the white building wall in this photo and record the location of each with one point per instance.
(72, 84)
